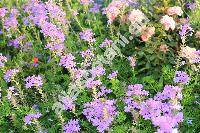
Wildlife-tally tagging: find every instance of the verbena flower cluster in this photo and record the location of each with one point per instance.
(72, 126)
(160, 109)
(9, 74)
(31, 117)
(101, 112)
(33, 81)
(3, 60)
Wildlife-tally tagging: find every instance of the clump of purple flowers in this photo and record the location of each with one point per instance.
(86, 2)
(52, 31)
(34, 81)
(87, 35)
(132, 61)
(181, 77)
(30, 117)
(56, 47)
(72, 126)
(105, 43)
(103, 91)
(91, 83)
(16, 42)
(161, 109)
(113, 75)
(11, 23)
(67, 61)
(37, 11)
(98, 71)
(95, 8)
(134, 96)
(3, 59)
(136, 90)
(68, 103)
(3, 12)
(101, 112)
(185, 29)
(87, 54)
(191, 5)
(56, 13)
(9, 75)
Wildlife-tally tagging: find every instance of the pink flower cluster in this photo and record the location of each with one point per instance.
(191, 54)
(176, 10)
(147, 32)
(136, 16)
(114, 9)
(168, 22)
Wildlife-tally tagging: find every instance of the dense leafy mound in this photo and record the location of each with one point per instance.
(92, 66)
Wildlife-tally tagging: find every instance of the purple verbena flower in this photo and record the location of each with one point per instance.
(30, 117)
(90, 83)
(3, 60)
(11, 23)
(136, 90)
(3, 12)
(86, 2)
(95, 8)
(181, 77)
(9, 75)
(101, 113)
(98, 71)
(87, 35)
(87, 54)
(113, 75)
(56, 47)
(16, 42)
(52, 31)
(185, 29)
(191, 6)
(56, 13)
(105, 43)
(103, 91)
(67, 61)
(68, 103)
(34, 81)
(72, 126)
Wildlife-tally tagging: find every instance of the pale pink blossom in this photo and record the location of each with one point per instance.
(114, 9)
(191, 54)
(147, 32)
(168, 22)
(197, 35)
(136, 16)
(176, 10)
(163, 48)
